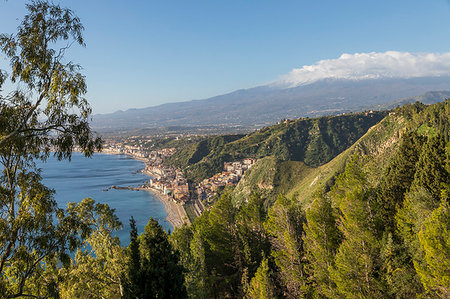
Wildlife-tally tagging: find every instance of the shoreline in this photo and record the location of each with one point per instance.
(176, 215)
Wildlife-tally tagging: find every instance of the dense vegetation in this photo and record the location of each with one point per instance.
(371, 223)
(46, 251)
(313, 141)
(367, 236)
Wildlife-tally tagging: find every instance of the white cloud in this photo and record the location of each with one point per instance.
(358, 66)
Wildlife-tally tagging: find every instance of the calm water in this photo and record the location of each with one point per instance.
(88, 177)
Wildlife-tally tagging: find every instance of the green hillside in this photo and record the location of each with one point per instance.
(314, 141)
(373, 222)
(270, 176)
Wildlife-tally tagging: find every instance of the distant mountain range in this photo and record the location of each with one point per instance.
(268, 104)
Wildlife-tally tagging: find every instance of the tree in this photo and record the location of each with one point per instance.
(434, 238)
(430, 181)
(431, 171)
(356, 271)
(285, 227)
(253, 238)
(261, 286)
(397, 178)
(44, 111)
(188, 241)
(97, 269)
(153, 271)
(321, 241)
(47, 109)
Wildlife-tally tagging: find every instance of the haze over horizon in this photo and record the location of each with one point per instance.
(151, 53)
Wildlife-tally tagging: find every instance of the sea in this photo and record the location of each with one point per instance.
(89, 177)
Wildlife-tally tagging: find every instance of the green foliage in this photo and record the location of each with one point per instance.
(156, 142)
(223, 258)
(368, 234)
(398, 177)
(45, 111)
(97, 269)
(223, 248)
(434, 239)
(190, 245)
(314, 141)
(261, 286)
(39, 114)
(285, 227)
(398, 273)
(321, 240)
(253, 237)
(431, 173)
(152, 267)
(357, 262)
(188, 157)
(381, 230)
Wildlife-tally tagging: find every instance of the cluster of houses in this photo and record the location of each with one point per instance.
(176, 188)
(120, 148)
(167, 180)
(231, 174)
(171, 182)
(157, 157)
(138, 151)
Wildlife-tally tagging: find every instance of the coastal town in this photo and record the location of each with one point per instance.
(182, 199)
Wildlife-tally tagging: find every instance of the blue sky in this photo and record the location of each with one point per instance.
(145, 53)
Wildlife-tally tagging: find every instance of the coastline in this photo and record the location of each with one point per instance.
(176, 215)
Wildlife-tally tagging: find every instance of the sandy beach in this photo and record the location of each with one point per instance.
(176, 215)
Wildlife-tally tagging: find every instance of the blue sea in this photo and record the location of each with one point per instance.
(88, 177)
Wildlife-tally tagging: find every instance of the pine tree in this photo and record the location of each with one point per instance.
(357, 264)
(397, 179)
(189, 242)
(285, 227)
(424, 195)
(431, 168)
(261, 286)
(132, 276)
(321, 241)
(252, 235)
(158, 275)
(434, 239)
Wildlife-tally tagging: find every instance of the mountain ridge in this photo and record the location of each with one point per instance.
(263, 105)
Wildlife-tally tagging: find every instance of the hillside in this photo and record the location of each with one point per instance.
(371, 223)
(259, 106)
(300, 182)
(313, 141)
